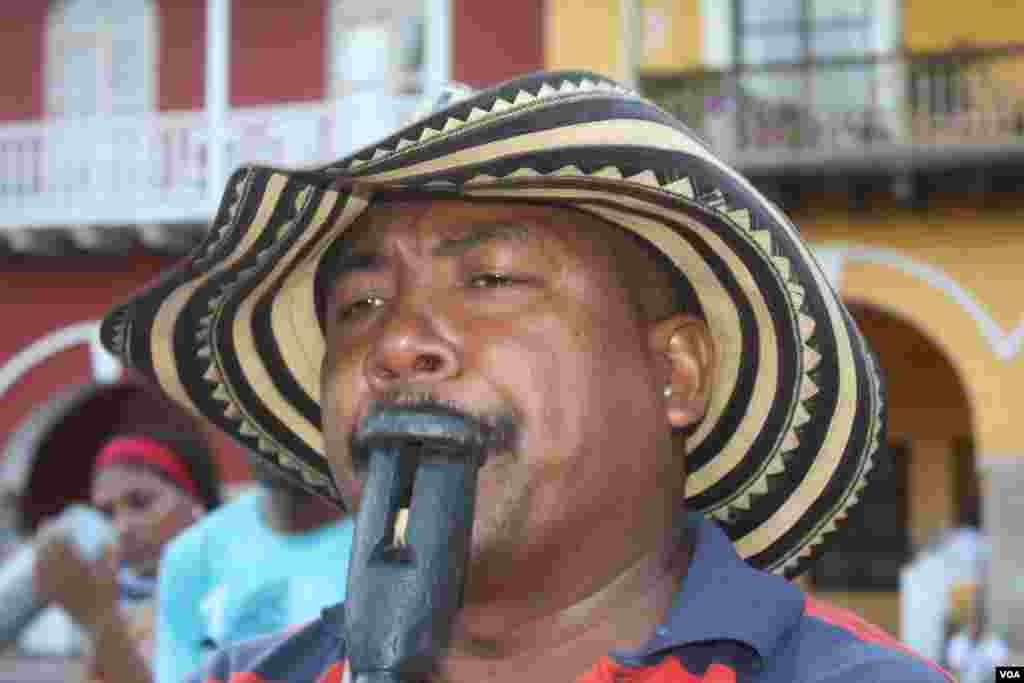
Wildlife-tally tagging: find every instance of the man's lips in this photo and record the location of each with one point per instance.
(489, 431)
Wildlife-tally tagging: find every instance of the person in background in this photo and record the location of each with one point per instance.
(975, 650)
(264, 562)
(957, 617)
(152, 485)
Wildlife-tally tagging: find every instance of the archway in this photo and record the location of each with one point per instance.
(929, 484)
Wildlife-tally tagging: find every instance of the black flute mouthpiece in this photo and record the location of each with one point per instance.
(411, 540)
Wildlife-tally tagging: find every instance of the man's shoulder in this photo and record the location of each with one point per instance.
(308, 652)
(836, 645)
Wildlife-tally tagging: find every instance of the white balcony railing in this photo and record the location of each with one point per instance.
(151, 169)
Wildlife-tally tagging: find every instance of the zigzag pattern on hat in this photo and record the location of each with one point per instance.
(121, 324)
(121, 327)
(219, 230)
(521, 100)
(818, 536)
(758, 484)
(221, 390)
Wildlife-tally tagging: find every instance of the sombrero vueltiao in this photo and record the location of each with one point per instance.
(797, 413)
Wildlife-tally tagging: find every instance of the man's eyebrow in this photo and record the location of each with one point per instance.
(349, 262)
(482, 233)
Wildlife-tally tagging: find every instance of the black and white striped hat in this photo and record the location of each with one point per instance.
(797, 411)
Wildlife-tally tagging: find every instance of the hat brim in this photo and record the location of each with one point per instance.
(797, 409)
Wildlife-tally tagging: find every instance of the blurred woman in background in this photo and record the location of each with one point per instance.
(152, 486)
(125, 450)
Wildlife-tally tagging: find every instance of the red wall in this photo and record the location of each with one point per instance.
(182, 54)
(22, 51)
(494, 41)
(278, 54)
(42, 294)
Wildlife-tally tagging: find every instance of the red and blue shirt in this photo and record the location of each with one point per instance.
(730, 624)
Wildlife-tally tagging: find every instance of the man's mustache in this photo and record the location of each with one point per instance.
(498, 431)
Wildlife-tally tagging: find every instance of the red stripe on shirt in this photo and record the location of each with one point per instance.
(247, 677)
(850, 622)
(669, 670)
(239, 677)
(333, 675)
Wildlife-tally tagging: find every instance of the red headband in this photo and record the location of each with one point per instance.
(140, 450)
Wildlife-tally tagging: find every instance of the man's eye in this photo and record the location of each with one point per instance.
(360, 307)
(490, 281)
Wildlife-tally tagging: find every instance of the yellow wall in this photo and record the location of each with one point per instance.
(584, 34)
(931, 25)
(587, 34)
(670, 35)
(928, 411)
(927, 399)
(982, 249)
(930, 495)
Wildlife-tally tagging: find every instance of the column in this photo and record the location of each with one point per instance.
(218, 45)
(930, 490)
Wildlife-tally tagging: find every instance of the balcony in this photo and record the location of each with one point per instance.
(899, 114)
(90, 180)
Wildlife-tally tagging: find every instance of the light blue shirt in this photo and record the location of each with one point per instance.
(230, 577)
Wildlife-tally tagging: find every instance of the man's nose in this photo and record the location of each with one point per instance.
(411, 349)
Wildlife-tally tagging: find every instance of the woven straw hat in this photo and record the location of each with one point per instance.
(797, 410)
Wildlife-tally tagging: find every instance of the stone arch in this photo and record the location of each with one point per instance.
(918, 370)
(927, 485)
(981, 353)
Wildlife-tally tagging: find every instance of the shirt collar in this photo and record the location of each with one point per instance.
(724, 598)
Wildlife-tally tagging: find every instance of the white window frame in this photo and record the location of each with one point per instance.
(434, 70)
(718, 24)
(97, 35)
(717, 27)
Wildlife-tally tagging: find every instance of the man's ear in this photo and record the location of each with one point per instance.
(685, 345)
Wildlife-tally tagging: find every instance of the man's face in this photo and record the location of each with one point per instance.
(514, 313)
(146, 509)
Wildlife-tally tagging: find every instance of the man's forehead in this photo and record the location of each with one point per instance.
(453, 228)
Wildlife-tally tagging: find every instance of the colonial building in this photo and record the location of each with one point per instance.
(120, 120)
(893, 132)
